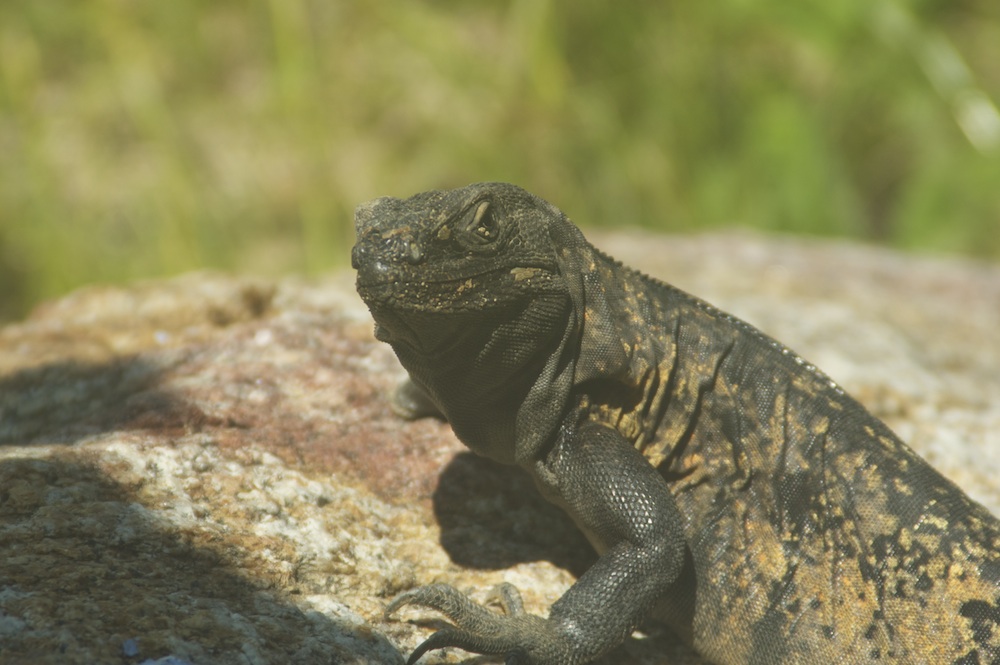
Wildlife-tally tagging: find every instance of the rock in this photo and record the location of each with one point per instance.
(206, 469)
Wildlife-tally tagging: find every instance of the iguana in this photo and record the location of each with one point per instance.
(730, 488)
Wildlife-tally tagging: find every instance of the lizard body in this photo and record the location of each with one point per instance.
(732, 489)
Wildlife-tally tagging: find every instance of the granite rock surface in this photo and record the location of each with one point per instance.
(206, 469)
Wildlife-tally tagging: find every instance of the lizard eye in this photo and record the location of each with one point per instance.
(484, 227)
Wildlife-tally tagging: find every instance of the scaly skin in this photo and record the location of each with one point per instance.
(731, 488)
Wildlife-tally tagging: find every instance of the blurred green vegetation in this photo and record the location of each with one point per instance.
(142, 138)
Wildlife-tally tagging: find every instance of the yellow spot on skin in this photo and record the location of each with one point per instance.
(521, 274)
(936, 522)
(937, 569)
(444, 233)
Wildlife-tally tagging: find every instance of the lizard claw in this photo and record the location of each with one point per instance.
(476, 628)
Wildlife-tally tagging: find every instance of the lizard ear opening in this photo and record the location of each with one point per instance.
(573, 256)
(595, 313)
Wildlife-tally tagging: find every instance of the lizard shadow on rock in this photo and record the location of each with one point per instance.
(63, 402)
(492, 516)
(89, 574)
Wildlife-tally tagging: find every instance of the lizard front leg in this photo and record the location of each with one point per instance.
(625, 507)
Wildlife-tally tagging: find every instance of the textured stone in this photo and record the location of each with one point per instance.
(207, 468)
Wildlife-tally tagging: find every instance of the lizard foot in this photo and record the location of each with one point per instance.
(522, 638)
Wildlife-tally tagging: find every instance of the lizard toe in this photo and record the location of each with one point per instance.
(520, 637)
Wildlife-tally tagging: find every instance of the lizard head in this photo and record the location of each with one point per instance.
(428, 262)
(468, 287)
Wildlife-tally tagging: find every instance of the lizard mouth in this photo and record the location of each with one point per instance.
(390, 281)
(489, 286)
(386, 277)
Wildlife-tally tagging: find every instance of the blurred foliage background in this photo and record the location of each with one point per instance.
(142, 138)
